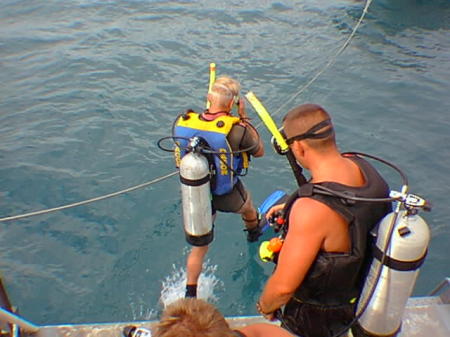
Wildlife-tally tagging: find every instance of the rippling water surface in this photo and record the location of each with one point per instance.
(89, 86)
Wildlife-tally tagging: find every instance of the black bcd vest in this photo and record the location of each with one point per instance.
(337, 278)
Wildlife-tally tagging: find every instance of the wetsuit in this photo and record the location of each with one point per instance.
(325, 301)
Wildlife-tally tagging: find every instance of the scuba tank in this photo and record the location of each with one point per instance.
(400, 250)
(390, 287)
(196, 196)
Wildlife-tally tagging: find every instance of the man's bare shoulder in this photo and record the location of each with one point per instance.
(310, 214)
(311, 209)
(318, 222)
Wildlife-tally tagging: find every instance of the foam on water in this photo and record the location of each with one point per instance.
(174, 286)
(141, 311)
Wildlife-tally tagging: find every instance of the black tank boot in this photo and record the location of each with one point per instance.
(191, 291)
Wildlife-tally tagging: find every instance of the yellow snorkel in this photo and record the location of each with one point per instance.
(267, 120)
(281, 145)
(212, 79)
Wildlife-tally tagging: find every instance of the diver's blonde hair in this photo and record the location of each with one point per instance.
(192, 317)
(223, 91)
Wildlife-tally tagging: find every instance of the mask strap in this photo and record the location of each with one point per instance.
(311, 133)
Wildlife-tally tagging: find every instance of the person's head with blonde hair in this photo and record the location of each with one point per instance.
(191, 317)
(224, 92)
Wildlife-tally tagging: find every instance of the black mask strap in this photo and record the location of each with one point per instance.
(311, 133)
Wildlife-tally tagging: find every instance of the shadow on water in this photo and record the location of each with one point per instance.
(396, 16)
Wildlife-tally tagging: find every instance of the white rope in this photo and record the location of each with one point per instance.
(45, 211)
(329, 63)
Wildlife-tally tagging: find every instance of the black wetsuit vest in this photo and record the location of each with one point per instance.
(324, 303)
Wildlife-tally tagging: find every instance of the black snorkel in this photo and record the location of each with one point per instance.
(312, 133)
(295, 166)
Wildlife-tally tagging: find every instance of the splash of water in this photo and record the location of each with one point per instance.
(140, 310)
(174, 286)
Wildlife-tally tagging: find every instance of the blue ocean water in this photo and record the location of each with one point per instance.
(89, 86)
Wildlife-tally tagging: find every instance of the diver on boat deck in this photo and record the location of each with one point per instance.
(322, 263)
(191, 317)
(235, 139)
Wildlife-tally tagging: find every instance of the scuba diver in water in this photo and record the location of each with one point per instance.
(320, 268)
(232, 140)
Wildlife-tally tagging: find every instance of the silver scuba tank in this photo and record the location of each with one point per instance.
(196, 199)
(405, 255)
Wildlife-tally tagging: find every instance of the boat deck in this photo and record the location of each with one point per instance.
(423, 317)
